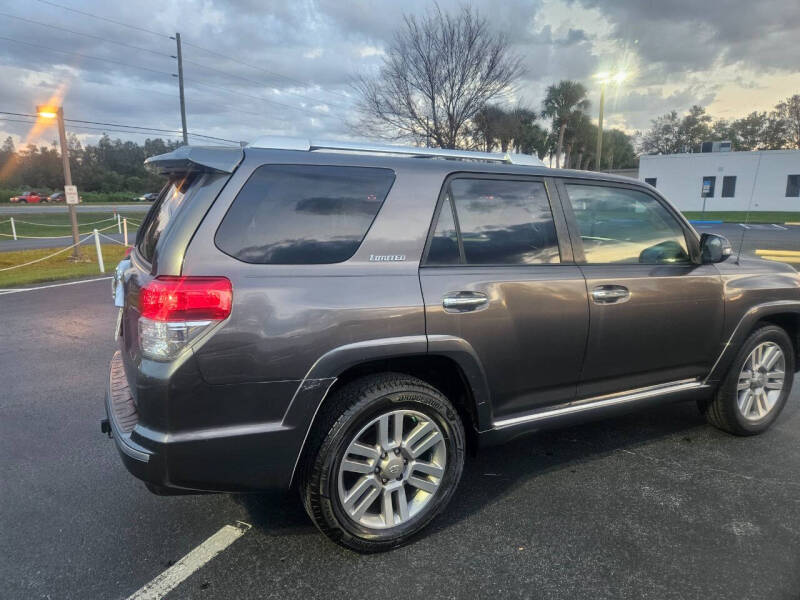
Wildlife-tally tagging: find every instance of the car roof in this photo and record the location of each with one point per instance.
(406, 163)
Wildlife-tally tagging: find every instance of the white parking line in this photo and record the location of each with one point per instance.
(172, 577)
(52, 285)
(743, 225)
(781, 227)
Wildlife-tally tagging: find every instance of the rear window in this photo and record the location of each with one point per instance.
(303, 214)
(171, 199)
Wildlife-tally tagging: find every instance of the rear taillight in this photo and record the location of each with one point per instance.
(176, 310)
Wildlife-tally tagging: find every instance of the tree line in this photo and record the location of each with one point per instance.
(760, 130)
(108, 166)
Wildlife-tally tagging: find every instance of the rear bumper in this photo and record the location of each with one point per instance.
(232, 458)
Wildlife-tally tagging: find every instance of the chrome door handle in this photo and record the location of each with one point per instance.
(608, 294)
(464, 301)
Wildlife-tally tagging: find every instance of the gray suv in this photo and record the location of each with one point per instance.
(348, 320)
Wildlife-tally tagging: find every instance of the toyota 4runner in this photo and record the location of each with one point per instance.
(347, 319)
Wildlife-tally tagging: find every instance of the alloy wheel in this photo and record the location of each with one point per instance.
(392, 469)
(761, 381)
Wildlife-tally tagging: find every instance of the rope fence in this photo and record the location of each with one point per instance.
(51, 237)
(60, 225)
(48, 256)
(110, 239)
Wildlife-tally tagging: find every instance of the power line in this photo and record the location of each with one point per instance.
(214, 52)
(151, 129)
(267, 71)
(106, 129)
(106, 19)
(108, 60)
(226, 73)
(116, 85)
(91, 128)
(260, 98)
(89, 35)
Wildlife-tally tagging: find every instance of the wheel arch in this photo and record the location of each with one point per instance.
(447, 363)
(782, 313)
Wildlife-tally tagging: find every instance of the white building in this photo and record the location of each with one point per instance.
(725, 181)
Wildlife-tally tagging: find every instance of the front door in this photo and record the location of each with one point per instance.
(655, 315)
(495, 276)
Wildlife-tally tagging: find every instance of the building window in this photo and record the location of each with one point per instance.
(729, 186)
(793, 186)
(650, 181)
(707, 190)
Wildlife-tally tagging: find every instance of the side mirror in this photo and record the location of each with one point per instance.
(714, 248)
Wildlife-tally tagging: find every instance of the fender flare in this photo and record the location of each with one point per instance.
(313, 389)
(743, 329)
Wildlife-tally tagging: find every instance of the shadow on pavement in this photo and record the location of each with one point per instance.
(497, 471)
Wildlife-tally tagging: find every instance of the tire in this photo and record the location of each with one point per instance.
(726, 409)
(355, 414)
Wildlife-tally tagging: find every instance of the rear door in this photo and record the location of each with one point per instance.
(498, 273)
(656, 315)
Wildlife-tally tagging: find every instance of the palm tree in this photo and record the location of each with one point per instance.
(560, 104)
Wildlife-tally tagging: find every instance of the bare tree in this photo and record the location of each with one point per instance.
(439, 71)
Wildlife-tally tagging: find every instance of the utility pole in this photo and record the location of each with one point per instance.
(73, 217)
(180, 87)
(600, 125)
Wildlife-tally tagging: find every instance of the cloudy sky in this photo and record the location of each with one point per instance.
(292, 61)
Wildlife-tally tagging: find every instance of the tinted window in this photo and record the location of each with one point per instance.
(793, 186)
(650, 181)
(729, 186)
(303, 214)
(160, 215)
(619, 225)
(444, 244)
(504, 222)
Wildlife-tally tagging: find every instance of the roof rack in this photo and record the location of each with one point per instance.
(304, 145)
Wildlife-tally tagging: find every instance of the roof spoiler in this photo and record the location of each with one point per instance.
(197, 158)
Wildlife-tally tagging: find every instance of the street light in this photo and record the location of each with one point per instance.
(605, 78)
(57, 112)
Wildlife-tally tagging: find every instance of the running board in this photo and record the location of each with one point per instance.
(599, 402)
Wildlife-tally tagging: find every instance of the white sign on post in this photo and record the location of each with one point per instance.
(71, 193)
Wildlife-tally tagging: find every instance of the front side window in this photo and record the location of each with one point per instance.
(793, 186)
(624, 226)
(497, 222)
(650, 181)
(303, 214)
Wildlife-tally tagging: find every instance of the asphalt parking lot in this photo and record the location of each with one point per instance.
(652, 505)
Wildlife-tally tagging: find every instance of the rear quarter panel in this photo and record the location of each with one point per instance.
(285, 317)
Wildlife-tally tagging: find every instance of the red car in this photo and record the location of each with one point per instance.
(28, 198)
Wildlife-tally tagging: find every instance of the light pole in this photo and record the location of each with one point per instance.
(605, 79)
(57, 112)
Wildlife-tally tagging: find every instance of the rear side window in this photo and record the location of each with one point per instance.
(497, 222)
(303, 214)
(158, 219)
